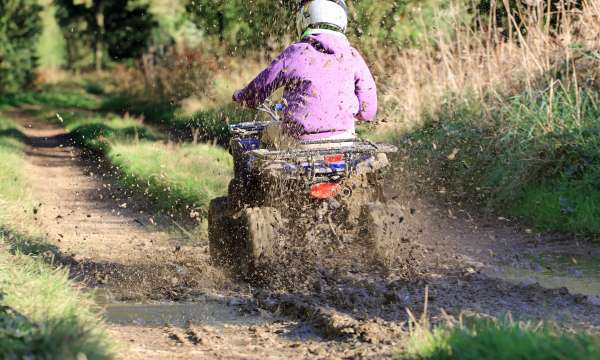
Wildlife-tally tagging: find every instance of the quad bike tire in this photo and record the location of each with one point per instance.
(260, 231)
(222, 244)
(384, 227)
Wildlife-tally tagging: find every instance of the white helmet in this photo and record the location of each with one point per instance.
(322, 14)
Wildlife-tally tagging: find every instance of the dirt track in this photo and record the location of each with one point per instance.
(111, 241)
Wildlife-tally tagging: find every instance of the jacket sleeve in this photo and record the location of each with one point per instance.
(269, 80)
(365, 90)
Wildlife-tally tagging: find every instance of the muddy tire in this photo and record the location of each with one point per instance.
(383, 226)
(221, 240)
(260, 230)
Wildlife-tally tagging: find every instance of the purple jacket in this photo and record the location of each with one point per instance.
(327, 85)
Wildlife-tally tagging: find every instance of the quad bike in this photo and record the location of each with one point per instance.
(316, 191)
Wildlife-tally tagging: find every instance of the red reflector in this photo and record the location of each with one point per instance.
(329, 159)
(324, 190)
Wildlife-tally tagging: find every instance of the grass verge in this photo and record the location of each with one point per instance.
(175, 178)
(52, 96)
(499, 339)
(533, 155)
(42, 313)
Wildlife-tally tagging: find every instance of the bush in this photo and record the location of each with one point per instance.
(20, 27)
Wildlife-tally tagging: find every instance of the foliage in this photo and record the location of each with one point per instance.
(499, 339)
(20, 27)
(401, 23)
(51, 45)
(118, 27)
(241, 23)
(259, 23)
(513, 15)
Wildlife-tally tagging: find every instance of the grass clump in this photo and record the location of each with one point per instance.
(96, 133)
(499, 339)
(43, 316)
(175, 177)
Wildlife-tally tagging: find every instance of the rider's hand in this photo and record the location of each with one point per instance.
(236, 96)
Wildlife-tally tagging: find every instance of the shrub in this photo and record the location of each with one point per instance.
(20, 27)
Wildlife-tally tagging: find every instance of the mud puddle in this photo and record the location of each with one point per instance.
(209, 312)
(578, 273)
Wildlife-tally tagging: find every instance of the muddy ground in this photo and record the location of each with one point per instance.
(114, 243)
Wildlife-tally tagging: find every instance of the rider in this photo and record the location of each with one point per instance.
(327, 84)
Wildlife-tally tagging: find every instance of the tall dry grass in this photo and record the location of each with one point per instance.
(483, 63)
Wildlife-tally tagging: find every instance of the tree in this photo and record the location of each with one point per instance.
(250, 23)
(20, 27)
(242, 23)
(117, 27)
(510, 15)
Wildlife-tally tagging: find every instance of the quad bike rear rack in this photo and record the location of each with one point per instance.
(357, 146)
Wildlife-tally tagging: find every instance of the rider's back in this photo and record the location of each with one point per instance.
(327, 85)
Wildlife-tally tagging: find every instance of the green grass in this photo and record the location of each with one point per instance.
(152, 111)
(53, 97)
(536, 156)
(561, 204)
(11, 148)
(174, 176)
(499, 339)
(42, 314)
(212, 123)
(97, 132)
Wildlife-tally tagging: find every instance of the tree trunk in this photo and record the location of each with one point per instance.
(99, 40)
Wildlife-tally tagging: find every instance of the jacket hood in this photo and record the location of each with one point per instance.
(328, 42)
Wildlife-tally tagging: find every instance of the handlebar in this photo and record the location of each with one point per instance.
(271, 109)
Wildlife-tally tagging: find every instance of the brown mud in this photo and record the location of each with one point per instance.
(112, 243)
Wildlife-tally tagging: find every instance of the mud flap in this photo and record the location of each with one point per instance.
(383, 227)
(260, 230)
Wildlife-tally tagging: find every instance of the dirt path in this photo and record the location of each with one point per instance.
(112, 242)
(114, 245)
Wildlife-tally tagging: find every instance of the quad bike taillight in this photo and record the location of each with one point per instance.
(331, 159)
(326, 190)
